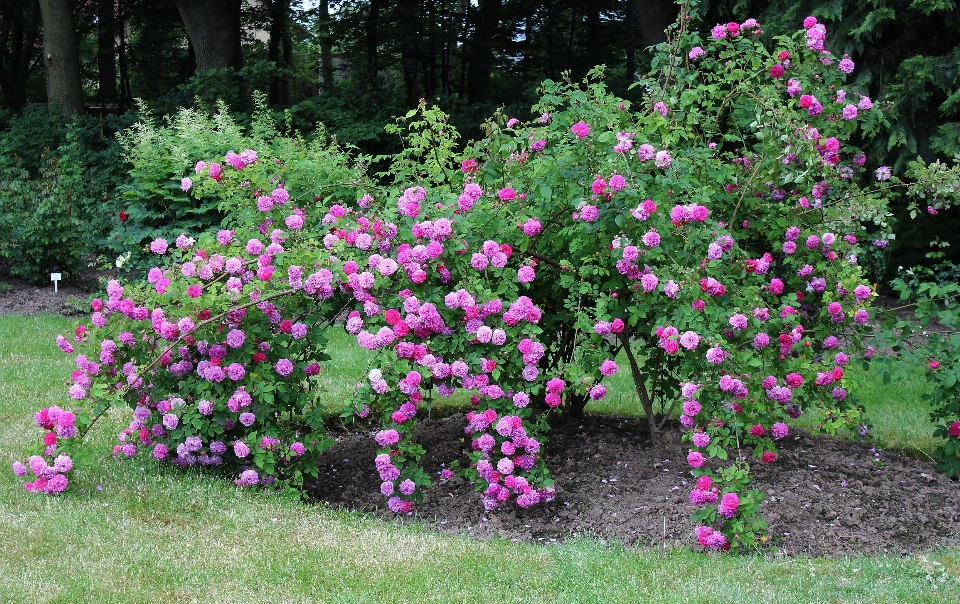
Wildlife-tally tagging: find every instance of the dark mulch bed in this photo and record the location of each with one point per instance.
(18, 297)
(824, 496)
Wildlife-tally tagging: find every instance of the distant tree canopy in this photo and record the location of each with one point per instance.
(482, 53)
(354, 64)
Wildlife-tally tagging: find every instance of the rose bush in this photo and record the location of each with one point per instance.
(709, 235)
(925, 330)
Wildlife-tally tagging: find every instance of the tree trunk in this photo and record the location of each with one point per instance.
(19, 33)
(430, 59)
(106, 53)
(286, 83)
(273, 50)
(593, 35)
(279, 51)
(326, 50)
(631, 42)
(409, 18)
(654, 17)
(126, 98)
(61, 57)
(214, 30)
(572, 37)
(488, 24)
(373, 21)
(550, 72)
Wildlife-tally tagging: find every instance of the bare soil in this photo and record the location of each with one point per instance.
(825, 496)
(21, 298)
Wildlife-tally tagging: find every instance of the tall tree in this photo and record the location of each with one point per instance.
(371, 29)
(214, 30)
(19, 35)
(106, 52)
(630, 41)
(326, 46)
(408, 17)
(653, 18)
(593, 38)
(481, 65)
(279, 50)
(61, 57)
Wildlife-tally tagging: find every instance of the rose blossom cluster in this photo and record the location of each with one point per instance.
(505, 450)
(50, 469)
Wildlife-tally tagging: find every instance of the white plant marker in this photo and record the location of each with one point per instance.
(55, 277)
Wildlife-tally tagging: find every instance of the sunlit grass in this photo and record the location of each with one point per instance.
(898, 416)
(153, 533)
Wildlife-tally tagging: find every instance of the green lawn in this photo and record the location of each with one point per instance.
(143, 532)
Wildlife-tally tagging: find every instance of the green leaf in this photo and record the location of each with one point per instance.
(949, 379)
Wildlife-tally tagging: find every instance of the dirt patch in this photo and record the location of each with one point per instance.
(22, 298)
(824, 496)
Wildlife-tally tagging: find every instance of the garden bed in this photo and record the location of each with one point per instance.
(18, 297)
(825, 496)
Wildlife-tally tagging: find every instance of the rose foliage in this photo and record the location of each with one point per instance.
(710, 235)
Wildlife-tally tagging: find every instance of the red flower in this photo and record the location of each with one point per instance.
(259, 357)
(124, 216)
(286, 326)
(768, 457)
(50, 438)
(776, 71)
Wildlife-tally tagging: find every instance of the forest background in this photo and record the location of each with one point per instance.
(73, 74)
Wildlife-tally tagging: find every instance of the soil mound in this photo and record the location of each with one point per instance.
(825, 496)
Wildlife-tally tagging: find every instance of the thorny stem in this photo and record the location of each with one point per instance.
(179, 339)
(543, 258)
(675, 43)
(851, 197)
(638, 384)
(916, 303)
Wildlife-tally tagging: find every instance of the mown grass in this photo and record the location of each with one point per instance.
(140, 531)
